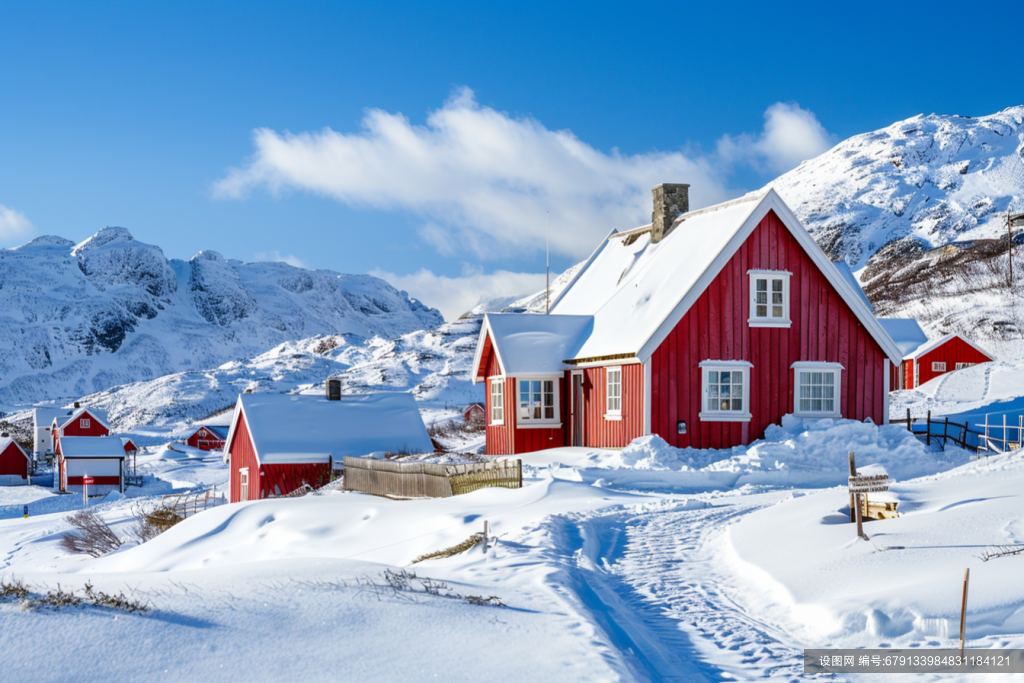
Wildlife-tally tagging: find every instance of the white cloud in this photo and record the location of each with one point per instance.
(290, 259)
(14, 225)
(791, 135)
(480, 179)
(453, 296)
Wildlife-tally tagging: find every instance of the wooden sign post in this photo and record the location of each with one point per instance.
(863, 484)
(963, 611)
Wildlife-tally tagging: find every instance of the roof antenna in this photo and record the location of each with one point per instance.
(547, 264)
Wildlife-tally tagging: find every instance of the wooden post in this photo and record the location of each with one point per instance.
(928, 429)
(853, 473)
(910, 427)
(945, 433)
(485, 536)
(963, 611)
(860, 520)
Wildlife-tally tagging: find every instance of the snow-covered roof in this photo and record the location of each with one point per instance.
(44, 417)
(638, 291)
(91, 447)
(290, 428)
(906, 333)
(74, 413)
(126, 440)
(844, 269)
(936, 343)
(6, 441)
(532, 344)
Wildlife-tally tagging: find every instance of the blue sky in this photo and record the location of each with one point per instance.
(425, 142)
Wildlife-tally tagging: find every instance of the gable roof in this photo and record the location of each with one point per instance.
(74, 413)
(5, 443)
(936, 343)
(844, 269)
(91, 447)
(125, 440)
(44, 417)
(300, 428)
(527, 343)
(637, 291)
(220, 431)
(906, 333)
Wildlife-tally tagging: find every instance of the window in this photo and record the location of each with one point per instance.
(85, 423)
(725, 391)
(961, 366)
(243, 484)
(498, 401)
(613, 382)
(938, 366)
(537, 400)
(817, 391)
(769, 298)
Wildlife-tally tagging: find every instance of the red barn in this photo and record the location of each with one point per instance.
(277, 442)
(80, 422)
(14, 462)
(704, 328)
(937, 357)
(208, 437)
(99, 457)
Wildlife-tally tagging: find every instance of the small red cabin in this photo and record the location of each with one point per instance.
(278, 442)
(100, 458)
(937, 357)
(705, 328)
(474, 414)
(81, 422)
(208, 437)
(14, 461)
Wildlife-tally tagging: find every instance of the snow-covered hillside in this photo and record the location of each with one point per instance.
(934, 178)
(82, 318)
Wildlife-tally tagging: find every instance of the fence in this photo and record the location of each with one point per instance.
(186, 505)
(991, 437)
(428, 480)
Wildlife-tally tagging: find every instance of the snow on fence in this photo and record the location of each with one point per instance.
(186, 505)
(428, 480)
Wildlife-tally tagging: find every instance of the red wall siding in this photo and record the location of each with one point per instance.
(96, 481)
(282, 479)
(500, 438)
(243, 454)
(94, 429)
(206, 443)
(823, 328)
(12, 462)
(599, 432)
(956, 350)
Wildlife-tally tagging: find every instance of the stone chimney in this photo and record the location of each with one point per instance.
(670, 201)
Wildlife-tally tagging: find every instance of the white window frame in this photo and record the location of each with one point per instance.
(497, 411)
(768, 321)
(938, 366)
(963, 366)
(815, 366)
(742, 415)
(243, 484)
(84, 423)
(609, 412)
(531, 422)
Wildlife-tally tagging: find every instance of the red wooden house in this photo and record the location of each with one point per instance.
(704, 327)
(98, 457)
(14, 461)
(80, 421)
(277, 442)
(208, 437)
(926, 360)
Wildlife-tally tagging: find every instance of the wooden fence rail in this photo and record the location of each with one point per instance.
(428, 480)
(943, 429)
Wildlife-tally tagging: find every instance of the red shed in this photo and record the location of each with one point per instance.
(939, 356)
(704, 327)
(208, 437)
(14, 461)
(474, 413)
(279, 441)
(129, 445)
(98, 457)
(81, 422)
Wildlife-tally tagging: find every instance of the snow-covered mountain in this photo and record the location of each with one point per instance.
(76, 319)
(931, 178)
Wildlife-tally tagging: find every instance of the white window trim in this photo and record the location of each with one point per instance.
(753, 320)
(963, 366)
(243, 484)
(724, 415)
(530, 423)
(84, 423)
(820, 366)
(936, 363)
(498, 381)
(609, 414)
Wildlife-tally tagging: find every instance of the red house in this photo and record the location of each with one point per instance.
(277, 442)
(704, 327)
(98, 457)
(14, 461)
(925, 360)
(80, 422)
(208, 437)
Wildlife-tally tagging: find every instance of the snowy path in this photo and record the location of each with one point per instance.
(648, 580)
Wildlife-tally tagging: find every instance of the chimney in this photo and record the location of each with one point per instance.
(670, 202)
(77, 404)
(333, 385)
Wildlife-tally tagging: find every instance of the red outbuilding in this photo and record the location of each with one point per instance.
(704, 327)
(208, 437)
(129, 446)
(14, 461)
(99, 458)
(474, 414)
(937, 357)
(278, 442)
(80, 422)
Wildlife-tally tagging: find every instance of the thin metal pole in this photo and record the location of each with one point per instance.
(547, 263)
